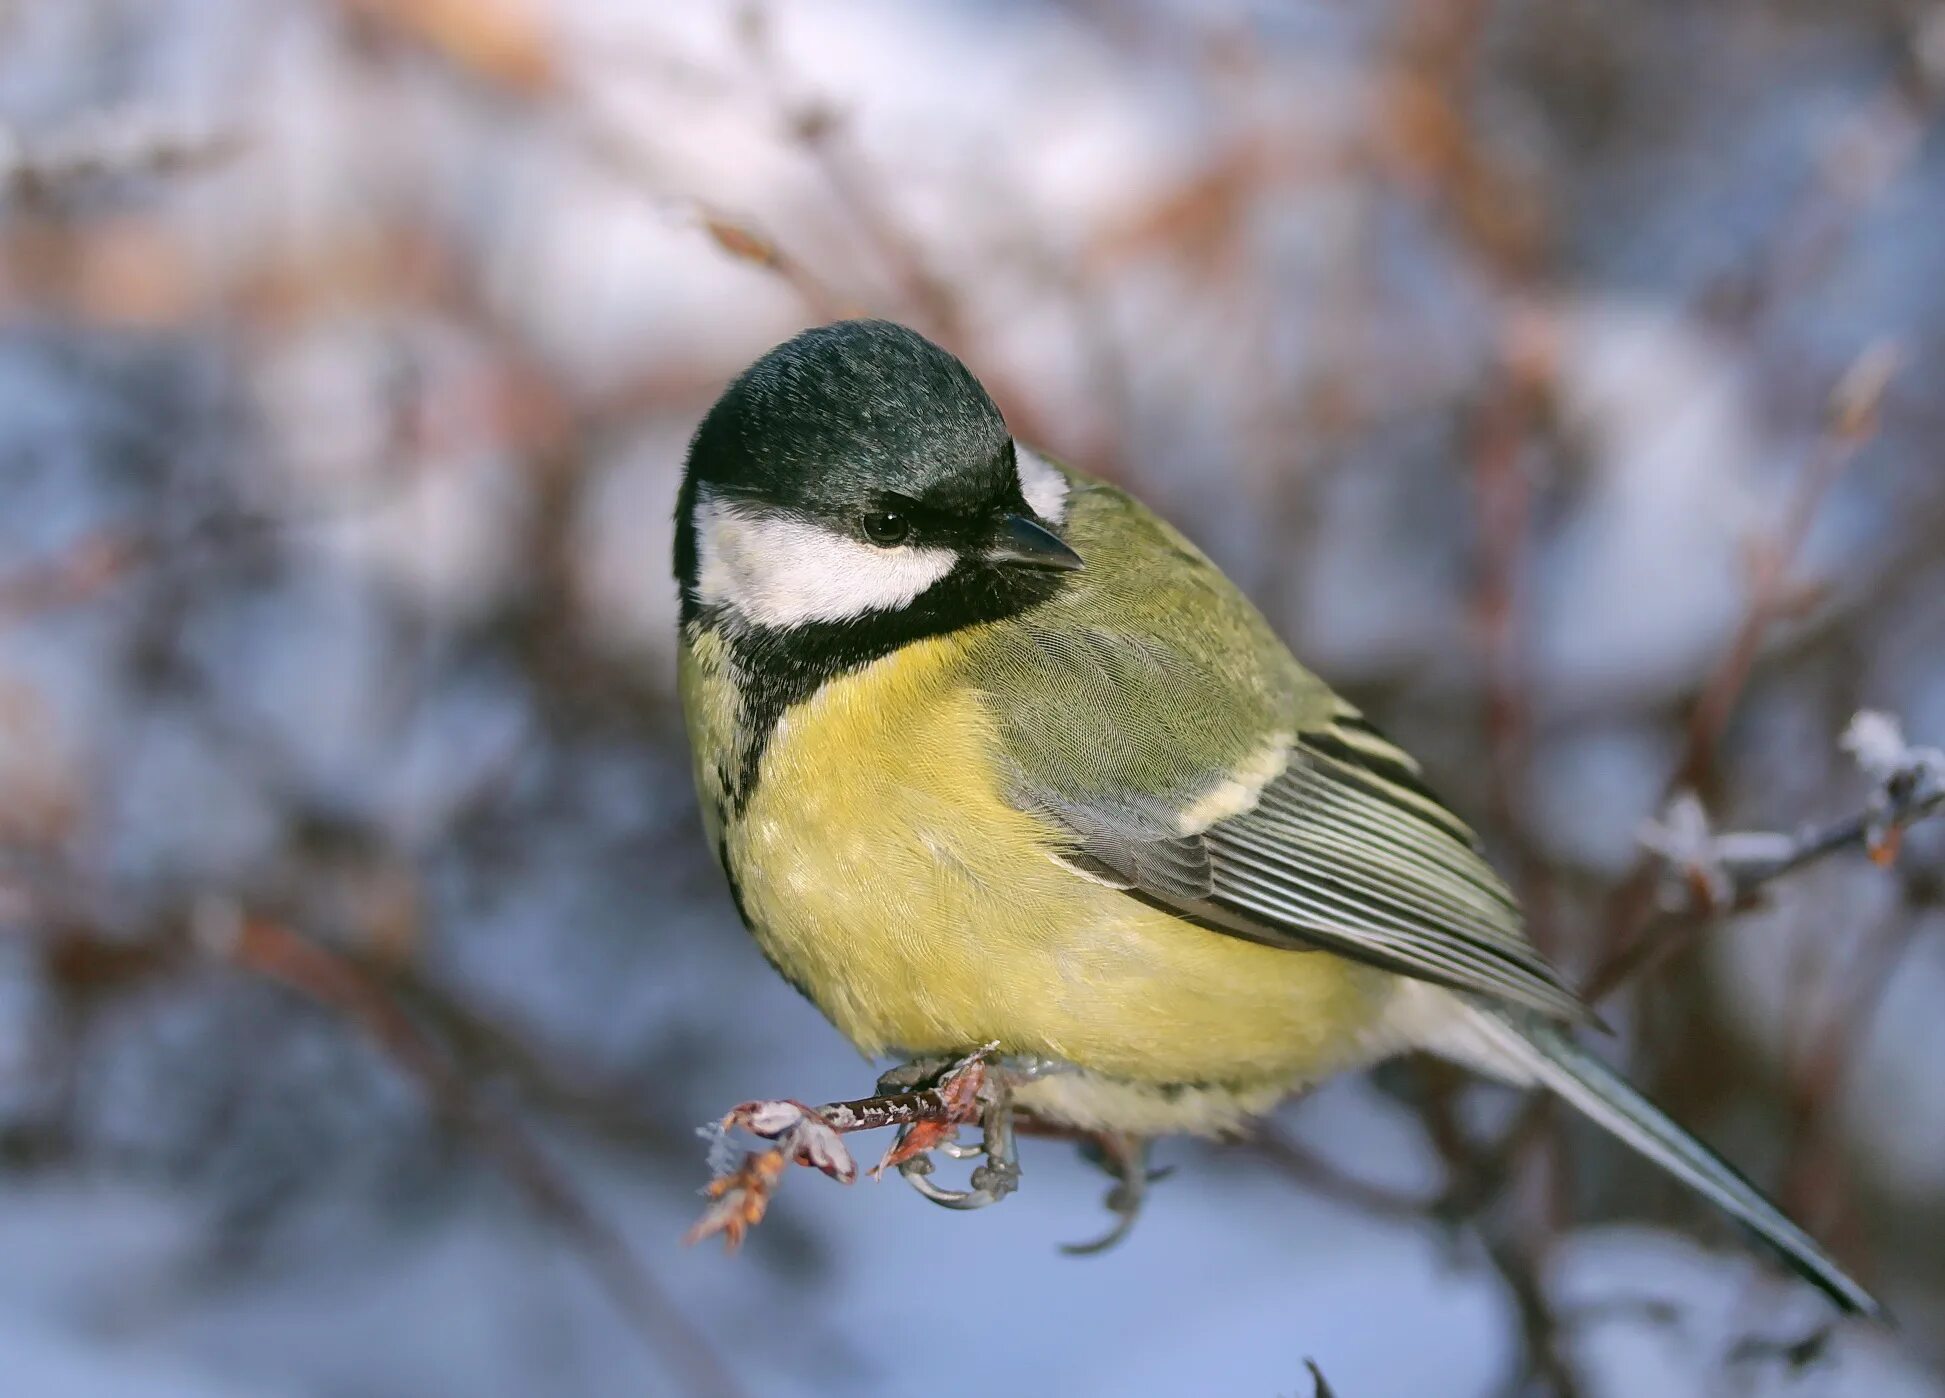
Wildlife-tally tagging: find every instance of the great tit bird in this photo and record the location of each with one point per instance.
(991, 754)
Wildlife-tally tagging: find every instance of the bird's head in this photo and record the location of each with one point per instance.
(859, 471)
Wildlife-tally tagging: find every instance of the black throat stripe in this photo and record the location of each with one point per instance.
(778, 667)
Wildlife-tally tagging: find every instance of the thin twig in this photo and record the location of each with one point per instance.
(1851, 424)
(744, 1184)
(1500, 219)
(623, 155)
(1539, 1323)
(1818, 1069)
(1714, 872)
(542, 90)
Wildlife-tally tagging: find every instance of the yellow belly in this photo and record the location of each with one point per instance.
(883, 872)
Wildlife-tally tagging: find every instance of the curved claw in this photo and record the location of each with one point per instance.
(918, 1170)
(991, 1182)
(1127, 1161)
(1123, 1225)
(969, 1093)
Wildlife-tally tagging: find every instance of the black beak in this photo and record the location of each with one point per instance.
(1027, 543)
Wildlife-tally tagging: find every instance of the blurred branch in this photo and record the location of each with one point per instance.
(1858, 164)
(1502, 222)
(504, 55)
(1851, 423)
(268, 949)
(78, 575)
(1433, 139)
(1542, 1327)
(1715, 872)
(1812, 1185)
(86, 569)
(821, 130)
(108, 145)
(1858, 167)
(488, 1048)
(623, 155)
(1723, 870)
(1503, 490)
(505, 41)
(492, 63)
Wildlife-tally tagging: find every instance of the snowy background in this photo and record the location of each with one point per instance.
(363, 976)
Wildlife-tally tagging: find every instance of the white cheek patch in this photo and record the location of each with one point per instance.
(775, 569)
(1043, 486)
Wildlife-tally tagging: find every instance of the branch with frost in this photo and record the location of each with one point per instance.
(745, 1181)
(1710, 871)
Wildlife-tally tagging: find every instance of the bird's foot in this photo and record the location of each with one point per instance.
(1125, 1158)
(971, 1090)
(915, 1075)
(957, 1084)
(929, 1100)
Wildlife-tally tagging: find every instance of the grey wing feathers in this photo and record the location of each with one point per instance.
(1138, 859)
(1344, 851)
(1341, 858)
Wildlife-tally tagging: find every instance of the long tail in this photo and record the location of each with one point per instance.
(1533, 1049)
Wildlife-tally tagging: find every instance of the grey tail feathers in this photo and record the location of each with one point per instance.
(1556, 1062)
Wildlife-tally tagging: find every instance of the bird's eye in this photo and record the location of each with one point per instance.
(885, 529)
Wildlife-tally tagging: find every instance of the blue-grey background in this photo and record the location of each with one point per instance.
(348, 349)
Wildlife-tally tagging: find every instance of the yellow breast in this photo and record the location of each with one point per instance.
(881, 869)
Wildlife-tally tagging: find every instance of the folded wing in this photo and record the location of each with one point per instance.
(1344, 850)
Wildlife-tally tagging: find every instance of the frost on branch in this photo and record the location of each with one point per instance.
(1712, 870)
(1909, 781)
(740, 1192)
(927, 1119)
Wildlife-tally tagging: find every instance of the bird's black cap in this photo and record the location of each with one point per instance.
(837, 416)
